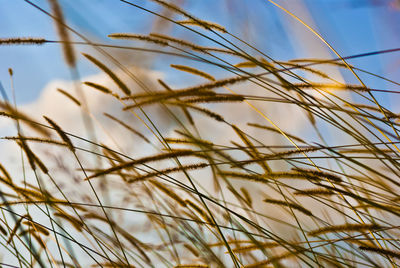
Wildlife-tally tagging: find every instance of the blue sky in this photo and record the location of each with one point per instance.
(352, 26)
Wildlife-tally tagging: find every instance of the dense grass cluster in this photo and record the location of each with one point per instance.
(212, 179)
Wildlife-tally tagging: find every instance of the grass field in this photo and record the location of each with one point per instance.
(199, 149)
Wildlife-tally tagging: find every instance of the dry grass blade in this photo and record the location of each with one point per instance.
(17, 115)
(110, 73)
(313, 192)
(188, 141)
(246, 64)
(218, 83)
(385, 252)
(151, 99)
(195, 47)
(69, 96)
(254, 153)
(287, 204)
(22, 41)
(344, 228)
(194, 71)
(266, 178)
(175, 8)
(75, 222)
(138, 37)
(128, 127)
(191, 249)
(191, 266)
(202, 110)
(216, 98)
(162, 37)
(61, 133)
(5, 173)
(274, 259)
(113, 264)
(32, 158)
(199, 210)
(276, 131)
(68, 49)
(169, 192)
(16, 226)
(252, 177)
(176, 153)
(204, 24)
(3, 231)
(36, 227)
(167, 171)
(185, 111)
(318, 173)
(35, 139)
(333, 86)
(98, 87)
(245, 249)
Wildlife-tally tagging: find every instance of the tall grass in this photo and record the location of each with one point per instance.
(217, 174)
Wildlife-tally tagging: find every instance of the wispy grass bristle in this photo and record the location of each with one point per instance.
(287, 204)
(98, 87)
(138, 37)
(204, 24)
(313, 192)
(317, 173)
(32, 158)
(68, 49)
(37, 227)
(11, 112)
(276, 131)
(3, 231)
(175, 9)
(333, 86)
(167, 171)
(137, 133)
(218, 83)
(177, 41)
(110, 73)
(245, 249)
(35, 139)
(69, 96)
(192, 70)
(205, 111)
(199, 210)
(61, 133)
(22, 41)
(16, 226)
(350, 227)
(385, 252)
(75, 222)
(187, 141)
(246, 196)
(5, 173)
(274, 259)
(191, 249)
(158, 157)
(216, 98)
(169, 192)
(191, 266)
(246, 64)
